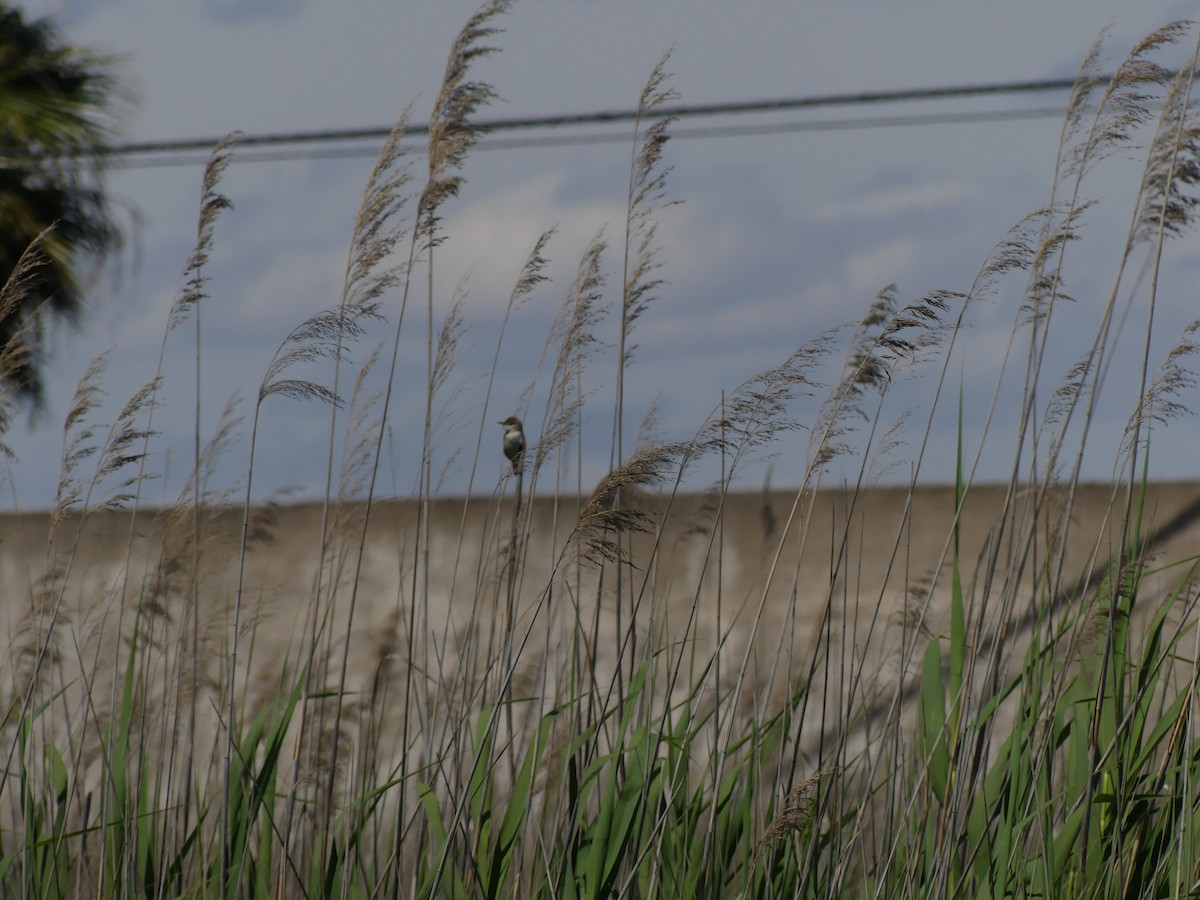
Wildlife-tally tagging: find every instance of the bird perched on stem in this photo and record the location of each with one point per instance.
(514, 442)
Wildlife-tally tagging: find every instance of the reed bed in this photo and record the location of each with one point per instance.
(633, 688)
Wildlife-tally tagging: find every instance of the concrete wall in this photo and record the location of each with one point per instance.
(833, 594)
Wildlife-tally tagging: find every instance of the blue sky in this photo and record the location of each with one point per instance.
(778, 237)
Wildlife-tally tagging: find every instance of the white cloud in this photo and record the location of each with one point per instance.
(490, 239)
(892, 262)
(899, 201)
(242, 10)
(295, 283)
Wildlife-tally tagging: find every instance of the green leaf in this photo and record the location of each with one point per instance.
(933, 719)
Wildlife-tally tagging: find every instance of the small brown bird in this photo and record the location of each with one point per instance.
(514, 441)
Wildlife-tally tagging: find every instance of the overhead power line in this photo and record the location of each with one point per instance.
(363, 142)
(703, 110)
(683, 112)
(364, 150)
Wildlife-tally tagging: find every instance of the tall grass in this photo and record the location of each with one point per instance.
(629, 690)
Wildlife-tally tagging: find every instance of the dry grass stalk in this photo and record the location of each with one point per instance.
(378, 226)
(1092, 625)
(1172, 171)
(212, 204)
(795, 814)
(702, 519)
(452, 133)
(888, 339)
(319, 337)
(770, 520)
(602, 516)
(18, 352)
(759, 410)
(1159, 403)
(575, 331)
(78, 441)
(647, 199)
(449, 346)
(1123, 106)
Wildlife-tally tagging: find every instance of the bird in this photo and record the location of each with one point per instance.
(514, 441)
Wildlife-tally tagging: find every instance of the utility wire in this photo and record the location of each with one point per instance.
(703, 110)
(341, 143)
(574, 140)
